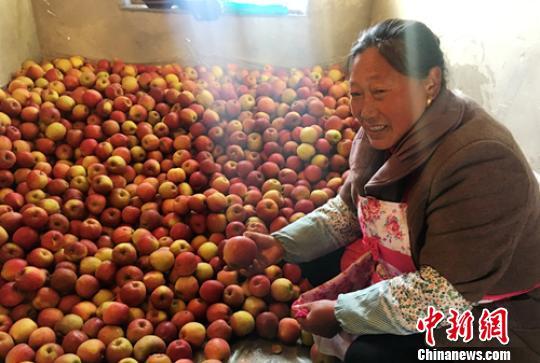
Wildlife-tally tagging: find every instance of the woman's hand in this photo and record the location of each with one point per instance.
(320, 319)
(269, 252)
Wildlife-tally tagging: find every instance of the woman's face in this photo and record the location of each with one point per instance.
(386, 102)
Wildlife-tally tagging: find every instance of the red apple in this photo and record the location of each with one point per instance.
(115, 313)
(239, 251)
(161, 298)
(6, 344)
(72, 341)
(179, 349)
(233, 295)
(138, 328)
(292, 272)
(211, 291)
(186, 287)
(30, 278)
(217, 348)
(288, 330)
(132, 293)
(267, 209)
(167, 331)
(118, 349)
(185, 264)
(20, 353)
(266, 324)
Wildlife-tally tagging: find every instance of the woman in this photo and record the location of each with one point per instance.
(442, 198)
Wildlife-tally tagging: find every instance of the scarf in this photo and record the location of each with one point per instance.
(372, 171)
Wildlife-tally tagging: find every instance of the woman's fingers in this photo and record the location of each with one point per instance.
(252, 269)
(263, 241)
(303, 316)
(301, 311)
(257, 266)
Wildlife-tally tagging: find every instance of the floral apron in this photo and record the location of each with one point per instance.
(386, 235)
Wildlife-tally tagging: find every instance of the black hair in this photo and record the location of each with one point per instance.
(409, 46)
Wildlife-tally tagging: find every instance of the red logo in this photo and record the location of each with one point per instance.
(491, 325)
(429, 323)
(460, 326)
(494, 325)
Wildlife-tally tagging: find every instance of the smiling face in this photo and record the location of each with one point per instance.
(386, 102)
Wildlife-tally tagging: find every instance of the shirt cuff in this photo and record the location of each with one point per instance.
(394, 306)
(320, 232)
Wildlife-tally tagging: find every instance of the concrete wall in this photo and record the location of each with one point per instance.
(100, 29)
(18, 40)
(493, 50)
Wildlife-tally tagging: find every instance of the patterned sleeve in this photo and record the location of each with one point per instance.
(394, 306)
(322, 231)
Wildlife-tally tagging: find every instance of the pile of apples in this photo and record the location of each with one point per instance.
(119, 184)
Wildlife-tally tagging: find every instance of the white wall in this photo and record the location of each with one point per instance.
(18, 40)
(493, 53)
(100, 29)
